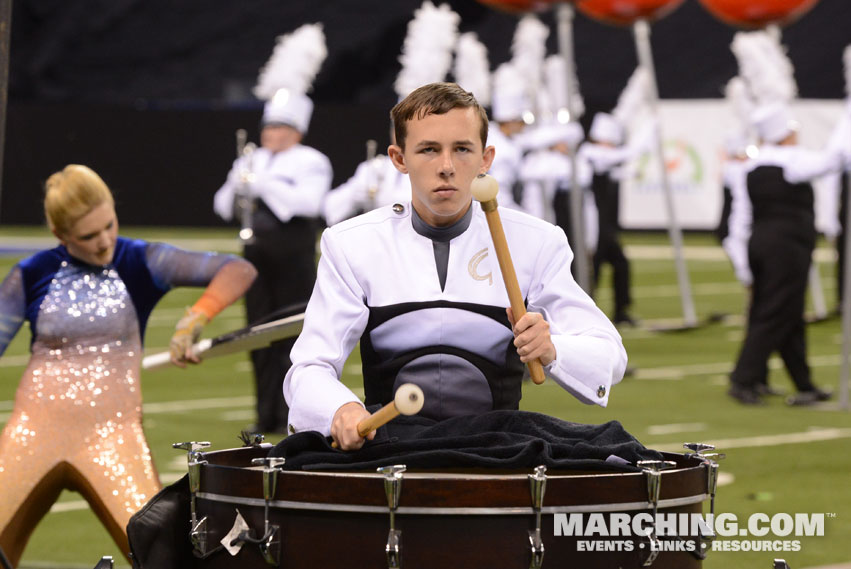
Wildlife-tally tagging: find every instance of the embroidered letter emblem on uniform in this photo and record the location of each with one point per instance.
(473, 267)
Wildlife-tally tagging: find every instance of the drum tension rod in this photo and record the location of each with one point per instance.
(710, 461)
(393, 490)
(194, 460)
(270, 547)
(653, 470)
(537, 487)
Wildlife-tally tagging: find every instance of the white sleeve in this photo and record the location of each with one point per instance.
(739, 224)
(808, 164)
(298, 193)
(335, 318)
(343, 201)
(223, 200)
(590, 356)
(831, 185)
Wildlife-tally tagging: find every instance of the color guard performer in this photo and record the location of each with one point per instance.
(419, 286)
(286, 182)
(77, 420)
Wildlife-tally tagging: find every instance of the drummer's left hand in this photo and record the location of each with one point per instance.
(532, 337)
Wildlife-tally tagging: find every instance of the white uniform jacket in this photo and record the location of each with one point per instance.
(291, 183)
(375, 183)
(377, 264)
(799, 165)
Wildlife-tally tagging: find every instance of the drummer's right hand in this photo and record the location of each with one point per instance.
(344, 426)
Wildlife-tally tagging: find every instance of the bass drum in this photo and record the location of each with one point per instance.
(446, 519)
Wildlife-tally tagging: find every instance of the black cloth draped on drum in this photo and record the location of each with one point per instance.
(159, 532)
(498, 439)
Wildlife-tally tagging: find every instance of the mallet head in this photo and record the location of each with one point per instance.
(409, 399)
(484, 188)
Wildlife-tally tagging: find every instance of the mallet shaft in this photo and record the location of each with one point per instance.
(509, 276)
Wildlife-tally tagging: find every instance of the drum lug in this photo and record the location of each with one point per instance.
(653, 470)
(270, 547)
(537, 487)
(198, 528)
(710, 460)
(393, 491)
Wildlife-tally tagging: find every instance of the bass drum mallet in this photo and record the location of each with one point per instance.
(484, 189)
(409, 400)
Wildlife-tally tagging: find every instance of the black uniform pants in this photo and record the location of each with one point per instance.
(284, 255)
(776, 316)
(609, 250)
(840, 239)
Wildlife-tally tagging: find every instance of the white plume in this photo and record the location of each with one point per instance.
(846, 59)
(765, 67)
(427, 51)
(736, 93)
(634, 97)
(557, 81)
(472, 71)
(294, 62)
(528, 50)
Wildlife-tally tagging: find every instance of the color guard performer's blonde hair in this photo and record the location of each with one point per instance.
(70, 194)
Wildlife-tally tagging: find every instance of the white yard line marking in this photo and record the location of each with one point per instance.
(195, 404)
(673, 428)
(767, 440)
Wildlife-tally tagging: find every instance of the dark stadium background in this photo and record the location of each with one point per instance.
(150, 92)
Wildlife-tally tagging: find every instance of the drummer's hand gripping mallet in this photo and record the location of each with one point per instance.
(409, 400)
(484, 189)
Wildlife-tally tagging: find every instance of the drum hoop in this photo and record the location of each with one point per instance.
(291, 505)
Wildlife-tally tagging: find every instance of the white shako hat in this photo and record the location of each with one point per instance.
(290, 108)
(288, 76)
(427, 52)
(773, 122)
(606, 128)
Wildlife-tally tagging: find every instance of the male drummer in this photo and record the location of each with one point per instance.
(418, 284)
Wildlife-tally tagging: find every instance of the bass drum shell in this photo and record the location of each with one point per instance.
(478, 518)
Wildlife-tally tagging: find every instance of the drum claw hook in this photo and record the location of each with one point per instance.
(194, 459)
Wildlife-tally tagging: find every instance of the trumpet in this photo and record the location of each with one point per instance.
(243, 202)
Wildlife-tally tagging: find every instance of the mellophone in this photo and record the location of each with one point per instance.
(417, 519)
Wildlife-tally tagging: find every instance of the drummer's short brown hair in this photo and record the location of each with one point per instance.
(435, 99)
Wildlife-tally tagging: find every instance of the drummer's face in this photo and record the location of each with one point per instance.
(92, 238)
(442, 155)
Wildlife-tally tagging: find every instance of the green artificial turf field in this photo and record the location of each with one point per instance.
(779, 459)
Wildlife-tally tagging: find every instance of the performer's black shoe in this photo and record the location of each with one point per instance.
(763, 389)
(745, 395)
(624, 319)
(814, 395)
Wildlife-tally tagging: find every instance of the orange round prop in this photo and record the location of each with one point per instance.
(757, 13)
(519, 6)
(626, 12)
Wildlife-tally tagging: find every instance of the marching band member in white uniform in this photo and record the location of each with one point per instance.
(286, 184)
(419, 286)
(771, 239)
